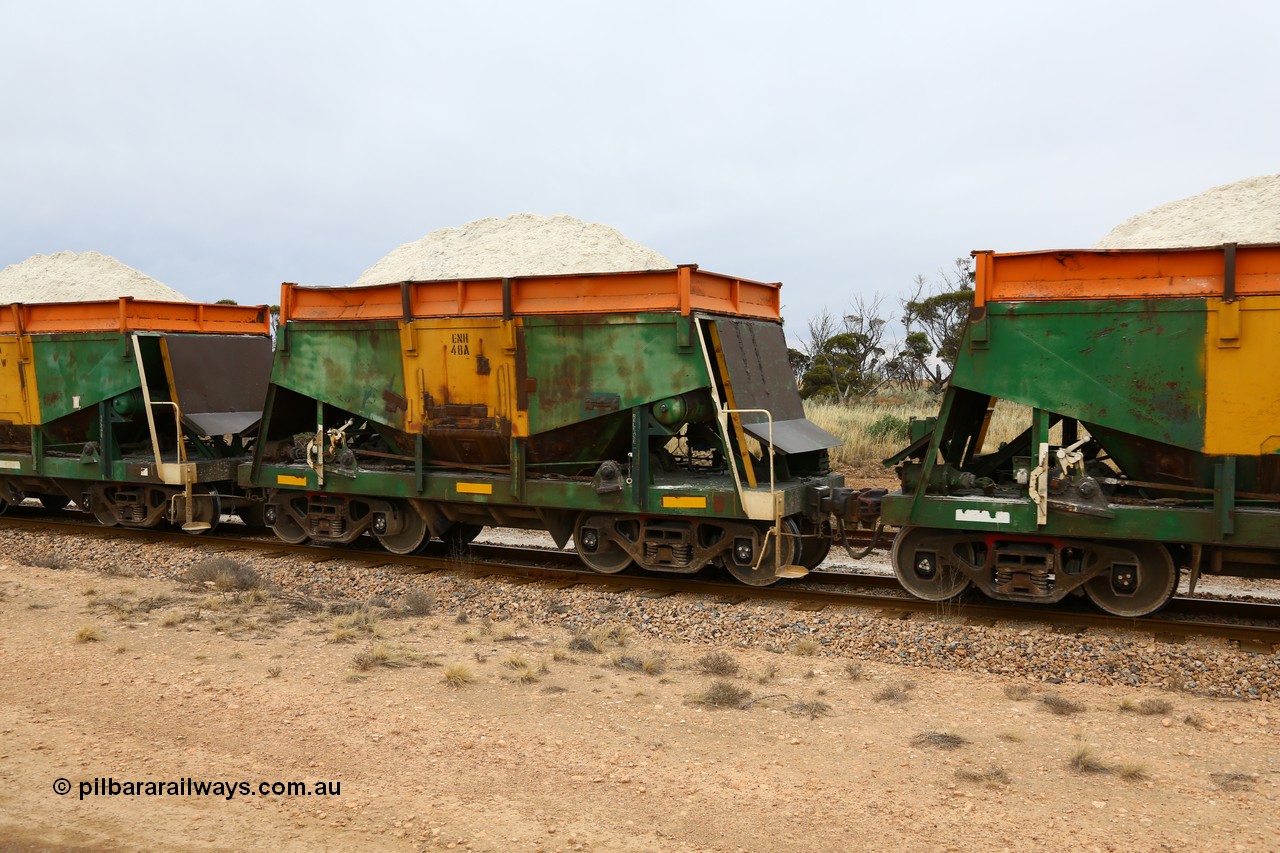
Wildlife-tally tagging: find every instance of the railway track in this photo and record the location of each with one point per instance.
(1254, 625)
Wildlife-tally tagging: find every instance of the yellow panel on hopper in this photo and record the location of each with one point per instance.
(468, 361)
(19, 402)
(1242, 352)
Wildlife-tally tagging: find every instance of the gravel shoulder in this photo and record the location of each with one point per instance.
(859, 732)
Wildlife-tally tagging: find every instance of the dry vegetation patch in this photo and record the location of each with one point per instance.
(1147, 707)
(723, 694)
(993, 776)
(939, 740)
(717, 663)
(1060, 705)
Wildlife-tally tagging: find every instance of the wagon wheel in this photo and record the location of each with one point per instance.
(461, 534)
(284, 525)
(414, 535)
(206, 510)
(765, 570)
(53, 501)
(920, 566)
(815, 544)
(254, 515)
(1138, 588)
(101, 507)
(598, 551)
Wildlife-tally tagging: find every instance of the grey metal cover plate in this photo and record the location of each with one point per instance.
(755, 353)
(796, 436)
(220, 381)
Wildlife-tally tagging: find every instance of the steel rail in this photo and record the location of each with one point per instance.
(835, 589)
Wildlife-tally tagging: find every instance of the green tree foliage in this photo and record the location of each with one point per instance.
(844, 355)
(799, 362)
(940, 311)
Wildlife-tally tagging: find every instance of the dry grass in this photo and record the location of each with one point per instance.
(515, 660)
(349, 626)
(992, 776)
(174, 618)
(724, 694)
(457, 675)
(765, 675)
(939, 740)
(1234, 781)
(855, 671)
(805, 648)
(1131, 772)
(893, 693)
(1085, 760)
(418, 603)
(865, 447)
(586, 643)
(274, 671)
(649, 663)
(812, 709)
(1017, 692)
(46, 560)
(88, 634)
(225, 574)
(1147, 707)
(717, 663)
(1011, 737)
(379, 654)
(1060, 705)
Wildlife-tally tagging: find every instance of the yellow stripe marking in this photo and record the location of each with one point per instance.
(290, 480)
(474, 488)
(675, 502)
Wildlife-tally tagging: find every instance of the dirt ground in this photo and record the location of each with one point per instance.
(553, 748)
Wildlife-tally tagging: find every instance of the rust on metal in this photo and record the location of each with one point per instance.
(682, 290)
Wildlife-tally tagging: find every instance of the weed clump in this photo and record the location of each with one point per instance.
(724, 694)
(889, 427)
(805, 648)
(1017, 692)
(46, 560)
(225, 574)
(650, 663)
(585, 643)
(992, 776)
(812, 709)
(717, 663)
(418, 602)
(1060, 705)
(1133, 772)
(939, 740)
(893, 693)
(1147, 707)
(1233, 781)
(1085, 760)
(457, 676)
(88, 634)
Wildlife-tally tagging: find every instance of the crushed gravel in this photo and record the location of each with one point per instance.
(1018, 651)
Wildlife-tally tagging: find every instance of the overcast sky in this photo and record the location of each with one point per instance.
(841, 148)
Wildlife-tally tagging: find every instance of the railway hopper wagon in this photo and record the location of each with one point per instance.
(1152, 440)
(652, 417)
(138, 411)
